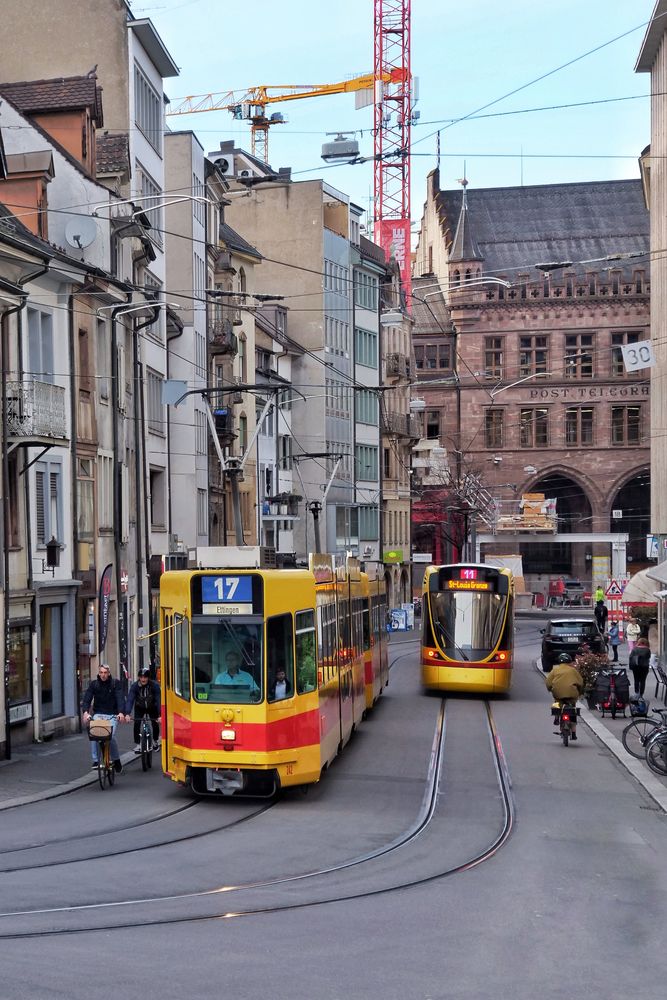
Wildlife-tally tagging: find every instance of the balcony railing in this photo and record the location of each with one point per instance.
(36, 410)
(398, 366)
(402, 424)
(222, 339)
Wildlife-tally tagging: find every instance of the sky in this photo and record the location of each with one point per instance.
(464, 56)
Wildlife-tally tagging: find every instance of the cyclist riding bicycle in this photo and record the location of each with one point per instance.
(566, 685)
(105, 697)
(144, 698)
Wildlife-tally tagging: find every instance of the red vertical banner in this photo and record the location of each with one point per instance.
(393, 235)
(105, 601)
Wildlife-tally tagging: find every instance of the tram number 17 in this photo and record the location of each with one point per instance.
(226, 587)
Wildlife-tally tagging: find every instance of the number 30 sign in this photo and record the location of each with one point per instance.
(637, 356)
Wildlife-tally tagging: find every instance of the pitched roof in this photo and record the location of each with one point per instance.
(233, 241)
(68, 93)
(519, 227)
(113, 154)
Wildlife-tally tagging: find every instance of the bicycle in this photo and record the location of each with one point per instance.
(636, 735)
(146, 742)
(656, 747)
(100, 731)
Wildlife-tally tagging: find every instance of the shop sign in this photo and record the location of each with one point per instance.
(393, 556)
(20, 713)
(105, 601)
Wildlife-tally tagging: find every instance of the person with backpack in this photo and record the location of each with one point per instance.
(640, 659)
(105, 697)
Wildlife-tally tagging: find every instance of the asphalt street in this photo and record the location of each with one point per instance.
(140, 889)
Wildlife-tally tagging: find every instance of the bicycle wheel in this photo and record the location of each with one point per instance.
(111, 771)
(656, 755)
(565, 736)
(145, 753)
(635, 736)
(101, 769)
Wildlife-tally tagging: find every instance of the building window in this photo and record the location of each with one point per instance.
(533, 355)
(579, 426)
(148, 109)
(243, 433)
(367, 407)
(158, 498)
(366, 291)
(626, 425)
(368, 523)
(105, 490)
(534, 425)
(432, 424)
(200, 432)
(202, 513)
(285, 452)
(493, 356)
(155, 407)
(366, 462)
(40, 346)
(243, 360)
(579, 355)
(493, 428)
(366, 348)
(48, 502)
(85, 484)
(153, 287)
(386, 466)
(347, 526)
(151, 196)
(619, 340)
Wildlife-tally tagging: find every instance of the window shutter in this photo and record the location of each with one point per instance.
(39, 505)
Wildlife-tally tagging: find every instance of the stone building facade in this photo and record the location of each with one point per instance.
(542, 286)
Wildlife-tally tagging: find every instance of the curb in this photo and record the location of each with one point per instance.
(639, 771)
(64, 789)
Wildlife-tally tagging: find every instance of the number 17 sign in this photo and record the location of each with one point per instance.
(638, 356)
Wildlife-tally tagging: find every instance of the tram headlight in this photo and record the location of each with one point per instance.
(228, 735)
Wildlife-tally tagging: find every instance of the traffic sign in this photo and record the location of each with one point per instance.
(613, 590)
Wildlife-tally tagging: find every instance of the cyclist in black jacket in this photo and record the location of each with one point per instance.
(144, 697)
(105, 697)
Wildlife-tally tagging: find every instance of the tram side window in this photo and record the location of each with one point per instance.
(306, 669)
(182, 658)
(366, 626)
(280, 656)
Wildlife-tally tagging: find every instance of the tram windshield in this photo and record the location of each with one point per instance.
(467, 625)
(227, 662)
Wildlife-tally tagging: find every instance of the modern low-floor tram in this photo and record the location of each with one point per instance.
(467, 628)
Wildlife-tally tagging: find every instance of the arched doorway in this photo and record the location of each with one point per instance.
(633, 500)
(574, 513)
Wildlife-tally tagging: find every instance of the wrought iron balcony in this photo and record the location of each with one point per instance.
(398, 366)
(35, 413)
(222, 338)
(401, 424)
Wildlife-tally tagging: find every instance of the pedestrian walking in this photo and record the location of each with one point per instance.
(632, 633)
(614, 640)
(640, 658)
(601, 613)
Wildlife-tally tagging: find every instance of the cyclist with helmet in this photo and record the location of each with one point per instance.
(144, 698)
(566, 685)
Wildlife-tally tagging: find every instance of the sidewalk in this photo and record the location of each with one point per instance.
(609, 732)
(40, 771)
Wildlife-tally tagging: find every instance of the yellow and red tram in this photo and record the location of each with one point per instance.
(264, 671)
(467, 628)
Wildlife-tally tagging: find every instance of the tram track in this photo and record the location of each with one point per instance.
(146, 905)
(120, 829)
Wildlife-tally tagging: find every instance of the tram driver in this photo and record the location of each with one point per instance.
(233, 676)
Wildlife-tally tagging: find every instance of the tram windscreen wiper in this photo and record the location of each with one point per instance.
(241, 650)
(448, 641)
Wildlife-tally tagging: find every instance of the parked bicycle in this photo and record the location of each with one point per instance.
(646, 737)
(101, 731)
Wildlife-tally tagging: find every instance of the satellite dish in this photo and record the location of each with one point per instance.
(81, 232)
